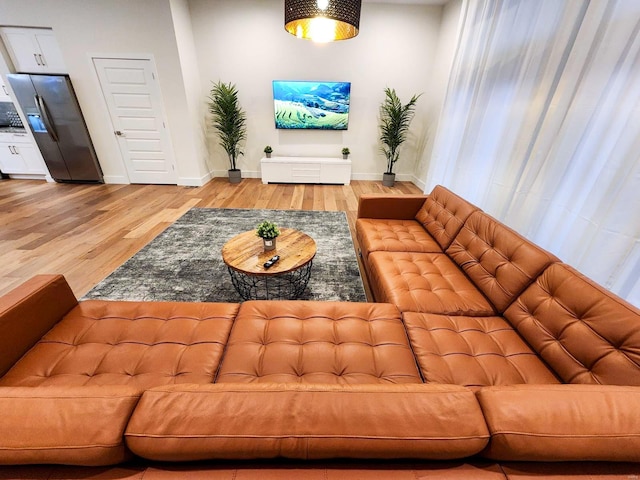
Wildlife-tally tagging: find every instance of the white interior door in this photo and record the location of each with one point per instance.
(132, 93)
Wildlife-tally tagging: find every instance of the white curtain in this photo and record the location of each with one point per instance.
(541, 128)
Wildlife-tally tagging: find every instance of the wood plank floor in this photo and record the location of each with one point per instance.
(86, 231)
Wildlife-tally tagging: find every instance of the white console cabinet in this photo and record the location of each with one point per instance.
(327, 170)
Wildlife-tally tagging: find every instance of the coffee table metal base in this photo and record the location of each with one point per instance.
(282, 286)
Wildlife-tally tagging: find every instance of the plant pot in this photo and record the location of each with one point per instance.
(388, 179)
(268, 155)
(346, 157)
(269, 244)
(235, 175)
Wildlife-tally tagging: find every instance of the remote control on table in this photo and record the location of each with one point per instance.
(269, 263)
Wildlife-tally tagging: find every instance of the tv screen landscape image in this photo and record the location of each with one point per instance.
(314, 105)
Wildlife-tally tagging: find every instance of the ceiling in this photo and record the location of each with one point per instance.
(408, 2)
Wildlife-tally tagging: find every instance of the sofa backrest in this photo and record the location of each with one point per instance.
(443, 214)
(582, 331)
(499, 261)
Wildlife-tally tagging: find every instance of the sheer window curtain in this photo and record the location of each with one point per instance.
(541, 128)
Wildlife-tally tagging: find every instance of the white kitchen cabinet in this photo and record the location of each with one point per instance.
(10, 160)
(33, 50)
(19, 156)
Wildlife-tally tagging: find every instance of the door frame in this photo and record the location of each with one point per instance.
(125, 179)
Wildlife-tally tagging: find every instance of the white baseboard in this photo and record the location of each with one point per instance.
(418, 183)
(195, 181)
(401, 177)
(27, 176)
(116, 179)
(245, 173)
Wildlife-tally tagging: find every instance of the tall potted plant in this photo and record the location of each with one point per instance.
(230, 121)
(395, 119)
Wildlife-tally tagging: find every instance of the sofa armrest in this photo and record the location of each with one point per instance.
(28, 312)
(553, 423)
(400, 207)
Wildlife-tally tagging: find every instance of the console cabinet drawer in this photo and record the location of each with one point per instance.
(305, 170)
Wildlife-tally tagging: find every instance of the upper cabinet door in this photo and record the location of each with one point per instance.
(50, 51)
(33, 50)
(4, 92)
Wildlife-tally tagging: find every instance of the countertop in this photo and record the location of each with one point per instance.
(12, 130)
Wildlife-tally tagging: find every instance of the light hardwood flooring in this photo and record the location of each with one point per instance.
(86, 231)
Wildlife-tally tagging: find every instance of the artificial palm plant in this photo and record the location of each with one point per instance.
(229, 120)
(395, 119)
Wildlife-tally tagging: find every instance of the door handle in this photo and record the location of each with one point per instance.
(35, 55)
(5, 90)
(44, 114)
(119, 133)
(42, 62)
(13, 150)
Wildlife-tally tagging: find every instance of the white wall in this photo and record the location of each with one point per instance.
(118, 27)
(195, 42)
(448, 37)
(244, 42)
(193, 91)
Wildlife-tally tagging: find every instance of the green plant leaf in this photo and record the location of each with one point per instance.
(228, 119)
(395, 119)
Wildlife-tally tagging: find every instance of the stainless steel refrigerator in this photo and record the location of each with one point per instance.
(54, 116)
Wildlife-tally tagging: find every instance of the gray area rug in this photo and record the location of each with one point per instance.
(184, 263)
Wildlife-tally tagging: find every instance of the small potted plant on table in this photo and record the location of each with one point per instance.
(268, 150)
(345, 153)
(268, 231)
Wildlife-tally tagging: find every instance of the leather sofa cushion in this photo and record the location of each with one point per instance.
(318, 342)
(233, 421)
(393, 236)
(424, 282)
(28, 312)
(443, 215)
(499, 261)
(65, 425)
(585, 333)
(562, 422)
(472, 351)
(142, 344)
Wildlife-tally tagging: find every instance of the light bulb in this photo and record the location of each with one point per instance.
(323, 4)
(322, 30)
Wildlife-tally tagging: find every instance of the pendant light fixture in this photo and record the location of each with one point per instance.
(322, 20)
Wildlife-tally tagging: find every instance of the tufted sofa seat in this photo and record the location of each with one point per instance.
(485, 357)
(128, 343)
(318, 342)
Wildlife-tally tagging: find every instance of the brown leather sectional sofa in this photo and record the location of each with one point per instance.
(485, 358)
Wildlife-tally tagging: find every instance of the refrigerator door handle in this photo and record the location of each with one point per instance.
(44, 114)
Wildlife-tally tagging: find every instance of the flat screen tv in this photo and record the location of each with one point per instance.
(315, 105)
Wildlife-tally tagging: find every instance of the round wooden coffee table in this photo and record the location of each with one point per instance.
(244, 256)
